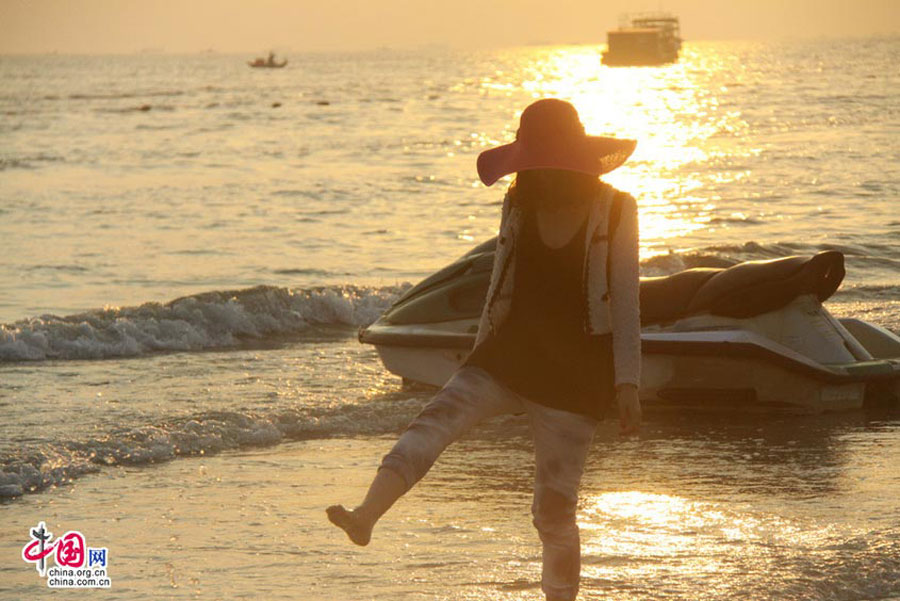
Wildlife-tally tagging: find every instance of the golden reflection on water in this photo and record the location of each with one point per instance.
(645, 527)
(673, 111)
(628, 533)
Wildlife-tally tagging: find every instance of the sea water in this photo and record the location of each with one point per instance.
(190, 246)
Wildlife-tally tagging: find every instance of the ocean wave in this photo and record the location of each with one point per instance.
(667, 264)
(209, 320)
(871, 261)
(122, 95)
(752, 250)
(734, 221)
(139, 108)
(28, 161)
(868, 292)
(33, 470)
(303, 271)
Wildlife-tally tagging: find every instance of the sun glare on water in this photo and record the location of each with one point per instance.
(672, 111)
(628, 535)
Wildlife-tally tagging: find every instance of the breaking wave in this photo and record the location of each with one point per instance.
(209, 320)
(223, 319)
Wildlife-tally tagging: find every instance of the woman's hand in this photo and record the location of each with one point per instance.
(629, 408)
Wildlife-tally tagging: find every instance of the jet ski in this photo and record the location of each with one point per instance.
(753, 336)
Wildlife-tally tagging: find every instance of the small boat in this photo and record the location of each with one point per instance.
(267, 63)
(754, 336)
(651, 39)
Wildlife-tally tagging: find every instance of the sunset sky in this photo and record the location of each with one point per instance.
(124, 26)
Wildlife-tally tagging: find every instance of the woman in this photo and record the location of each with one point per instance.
(559, 337)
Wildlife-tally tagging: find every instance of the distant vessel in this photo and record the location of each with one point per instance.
(267, 63)
(646, 39)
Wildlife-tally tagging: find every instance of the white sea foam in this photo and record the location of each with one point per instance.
(32, 470)
(198, 322)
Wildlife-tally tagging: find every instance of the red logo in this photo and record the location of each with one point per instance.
(70, 550)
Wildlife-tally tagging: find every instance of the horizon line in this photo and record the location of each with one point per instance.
(430, 45)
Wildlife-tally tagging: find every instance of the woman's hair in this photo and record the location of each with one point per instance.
(537, 187)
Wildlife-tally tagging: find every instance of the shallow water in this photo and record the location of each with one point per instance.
(774, 509)
(186, 266)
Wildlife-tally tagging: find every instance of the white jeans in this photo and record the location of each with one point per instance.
(561, 442)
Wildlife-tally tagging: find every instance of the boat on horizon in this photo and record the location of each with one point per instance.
(645, 39)
(267, 63)
(750, 337)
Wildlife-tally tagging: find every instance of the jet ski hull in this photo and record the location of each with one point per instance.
(727, 372)
(789, 356)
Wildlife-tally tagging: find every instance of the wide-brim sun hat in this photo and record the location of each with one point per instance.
(551, 136)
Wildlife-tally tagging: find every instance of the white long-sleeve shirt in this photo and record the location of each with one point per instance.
(624, 293)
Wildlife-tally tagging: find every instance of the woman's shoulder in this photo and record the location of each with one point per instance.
(620, 203)
(617, 196)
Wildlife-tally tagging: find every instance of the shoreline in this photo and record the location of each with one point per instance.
(660, 516)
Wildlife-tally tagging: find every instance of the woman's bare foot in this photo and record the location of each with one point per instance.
(358, 529)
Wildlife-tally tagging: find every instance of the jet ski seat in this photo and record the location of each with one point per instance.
(740, 291)
(458, 290)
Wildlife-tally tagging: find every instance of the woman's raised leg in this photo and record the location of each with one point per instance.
(470, 396)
